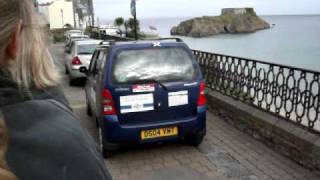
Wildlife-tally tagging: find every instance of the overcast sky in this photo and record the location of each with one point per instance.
(109, 9)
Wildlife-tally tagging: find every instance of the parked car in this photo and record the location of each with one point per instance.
(74, 37)
(109, 30)
(80, 56)
(69, 33)
(73, 32)
(143, 92)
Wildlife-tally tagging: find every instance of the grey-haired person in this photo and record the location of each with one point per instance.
(39, 136)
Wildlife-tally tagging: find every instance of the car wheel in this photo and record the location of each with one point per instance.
(195, 140)
(67, 71)
(72, 82)
(89, 110)
(83, 82)
(97, 123)
(102, 145)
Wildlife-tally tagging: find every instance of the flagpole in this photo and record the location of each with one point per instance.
(134, 14)
(135, 27)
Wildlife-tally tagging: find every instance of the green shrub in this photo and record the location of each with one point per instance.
(58, 37)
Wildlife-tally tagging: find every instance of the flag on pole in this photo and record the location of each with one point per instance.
(152, 28)
(133, 8)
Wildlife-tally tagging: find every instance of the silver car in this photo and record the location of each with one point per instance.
(73, 32)
(72, 38)
(79, 56)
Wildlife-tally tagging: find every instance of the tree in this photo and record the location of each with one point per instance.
(119, 21)
(126, 28)
(131, 26)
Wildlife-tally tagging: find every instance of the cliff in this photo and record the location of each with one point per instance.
(231, 20)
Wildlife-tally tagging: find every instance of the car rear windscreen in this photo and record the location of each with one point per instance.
(161, 64)
(86, 48)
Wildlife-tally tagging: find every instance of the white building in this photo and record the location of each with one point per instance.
(43, 9)
(235, 10)
(61, 14)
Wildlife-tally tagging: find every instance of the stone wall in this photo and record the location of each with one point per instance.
(285, 137)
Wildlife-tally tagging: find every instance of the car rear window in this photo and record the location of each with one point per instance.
(161, 64)
(75, 34)
(86, 48)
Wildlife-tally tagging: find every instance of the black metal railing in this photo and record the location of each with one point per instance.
(290, 92)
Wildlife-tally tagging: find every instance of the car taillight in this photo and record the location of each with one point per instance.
(76, 61)
(108, 104)
(202, 97)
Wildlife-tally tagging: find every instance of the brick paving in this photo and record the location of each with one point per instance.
(261, 161)
(226, 153)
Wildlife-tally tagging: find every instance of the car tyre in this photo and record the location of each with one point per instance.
(97, 123)
(72, 82)
(106, 153)
(67, 71)
(83, 82)
(89, 110)
(195, 140)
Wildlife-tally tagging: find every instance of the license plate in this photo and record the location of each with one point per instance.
(157, 133)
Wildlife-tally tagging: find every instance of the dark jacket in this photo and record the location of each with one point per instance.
(46, 141)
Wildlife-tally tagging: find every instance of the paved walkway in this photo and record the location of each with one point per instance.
(226, 153)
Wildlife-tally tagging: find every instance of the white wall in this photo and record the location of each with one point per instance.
(44, 12)
(55, 15)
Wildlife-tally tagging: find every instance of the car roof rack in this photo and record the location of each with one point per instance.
(168, 38)
(107, 43)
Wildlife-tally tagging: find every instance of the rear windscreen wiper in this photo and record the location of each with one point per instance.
(142, 81)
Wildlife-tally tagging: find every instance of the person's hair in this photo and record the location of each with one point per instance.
(33, 66)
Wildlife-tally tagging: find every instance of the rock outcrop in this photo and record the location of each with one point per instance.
(231, 20)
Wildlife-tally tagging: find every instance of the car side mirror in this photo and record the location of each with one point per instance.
(84, 70)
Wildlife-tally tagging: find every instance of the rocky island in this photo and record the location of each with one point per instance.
(231, 20)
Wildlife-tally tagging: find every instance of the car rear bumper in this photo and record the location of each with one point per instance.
(118, 134)
(74, 74)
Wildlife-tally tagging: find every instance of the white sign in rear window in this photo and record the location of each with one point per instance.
(179, 98)
(136, 103)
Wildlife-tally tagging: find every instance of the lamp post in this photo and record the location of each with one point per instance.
(62, 18)
(74, 13)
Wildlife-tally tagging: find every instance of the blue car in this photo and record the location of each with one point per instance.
(144, 92)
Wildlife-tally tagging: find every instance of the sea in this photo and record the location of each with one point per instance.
(292, 40)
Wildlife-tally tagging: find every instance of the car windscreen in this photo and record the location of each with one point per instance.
(86, 48)
(160, 64)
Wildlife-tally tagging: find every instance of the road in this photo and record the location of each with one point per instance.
(225, 154)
